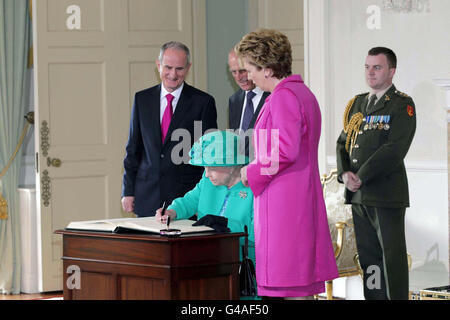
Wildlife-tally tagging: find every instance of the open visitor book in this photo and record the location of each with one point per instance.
(147, 224)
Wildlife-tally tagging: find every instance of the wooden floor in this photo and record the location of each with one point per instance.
(49, 295)
(31, 296)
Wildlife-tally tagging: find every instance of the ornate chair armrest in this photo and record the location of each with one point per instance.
(358, 265)
(340, 238)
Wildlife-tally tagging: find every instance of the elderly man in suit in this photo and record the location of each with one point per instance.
(151, 175)
(246, 103)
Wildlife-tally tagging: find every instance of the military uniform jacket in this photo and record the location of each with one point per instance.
(378, 148)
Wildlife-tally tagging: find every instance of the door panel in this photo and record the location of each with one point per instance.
(162, 15)
(140, 74)
(77, 100)
(92, 18)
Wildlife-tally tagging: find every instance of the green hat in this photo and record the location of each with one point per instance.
(218, 149)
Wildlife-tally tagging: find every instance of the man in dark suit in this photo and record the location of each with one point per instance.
(243, 111)
(245, 104)
(379, 127)
(153, 173)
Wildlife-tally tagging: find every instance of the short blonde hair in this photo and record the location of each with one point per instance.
(267, 48)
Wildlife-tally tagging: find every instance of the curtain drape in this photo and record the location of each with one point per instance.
(15, 34)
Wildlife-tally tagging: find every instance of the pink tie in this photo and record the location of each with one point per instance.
(167, 117)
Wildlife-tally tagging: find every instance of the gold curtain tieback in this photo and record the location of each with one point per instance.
(3, 203)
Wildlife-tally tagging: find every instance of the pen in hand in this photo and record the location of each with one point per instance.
(168, 232)
(163, 212)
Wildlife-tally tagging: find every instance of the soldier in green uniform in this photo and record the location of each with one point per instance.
(378, 130)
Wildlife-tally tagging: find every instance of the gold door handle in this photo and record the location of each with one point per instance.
(55, 162)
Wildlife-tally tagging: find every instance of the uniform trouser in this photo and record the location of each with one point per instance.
(380, 240)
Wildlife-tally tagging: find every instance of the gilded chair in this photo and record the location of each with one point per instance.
(340, 221)
(342, 231)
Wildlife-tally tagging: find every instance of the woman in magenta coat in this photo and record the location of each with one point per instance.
(294, 252)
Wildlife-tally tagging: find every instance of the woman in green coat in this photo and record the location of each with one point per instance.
(219, 200)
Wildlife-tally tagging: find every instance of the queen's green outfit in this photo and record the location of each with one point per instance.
(219, 149)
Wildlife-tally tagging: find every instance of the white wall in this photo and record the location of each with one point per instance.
(422, 45)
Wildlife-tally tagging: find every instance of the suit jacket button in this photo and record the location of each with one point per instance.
(162, 156)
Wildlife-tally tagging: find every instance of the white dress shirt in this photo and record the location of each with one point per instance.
(379, 94)
(163, 100)
(256, 100)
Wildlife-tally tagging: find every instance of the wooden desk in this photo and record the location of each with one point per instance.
(144, 266)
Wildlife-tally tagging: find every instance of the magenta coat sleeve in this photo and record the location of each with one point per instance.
(278, 146)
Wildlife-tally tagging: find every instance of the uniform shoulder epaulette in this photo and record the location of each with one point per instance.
(401, 94)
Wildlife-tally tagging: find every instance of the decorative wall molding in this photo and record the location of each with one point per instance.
(46, 188)
(45, 137)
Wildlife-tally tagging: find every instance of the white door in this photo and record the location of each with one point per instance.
(90, 56)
